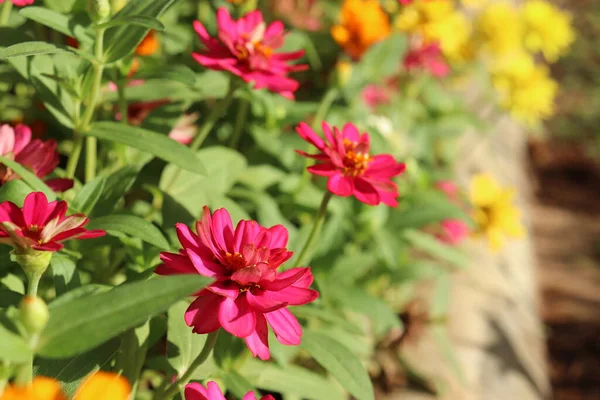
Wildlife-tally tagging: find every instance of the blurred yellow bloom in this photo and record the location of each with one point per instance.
(500, 28)
(518, 64)
(99, 386)
(362, 23)
(547, 29)
(474, 4)
(530, 96)
(494, 213)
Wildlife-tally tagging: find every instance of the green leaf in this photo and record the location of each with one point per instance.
(30, 49)
(28, 177)
(59, 22)
(131, 225)
(435, 248)
(13, 348)
(236, 383)
(66, 276)
(183, 345)
(260, 177)
(81, 324)
(340, 362)
(117, 185)
(14, 191)
(122, 40)
(132, 354)
(154, 143)
(89, 195)
(137, 20)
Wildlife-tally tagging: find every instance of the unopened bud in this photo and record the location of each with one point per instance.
(34, 314)
(99, 10)
(32, 261)
(343, 72)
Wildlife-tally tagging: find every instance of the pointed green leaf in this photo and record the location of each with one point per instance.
(12, 347)
(28, 177)
(137, 20)
(59, 22)
(14, 191)
(89, 195)
(131, 225)
(30, 49)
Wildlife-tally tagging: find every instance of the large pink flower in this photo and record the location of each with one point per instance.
(36, 155)
(352, 171)
(20, 3)
(41, 225)
(248, 292)
(427, 57)
(212, 391)
(246, 48)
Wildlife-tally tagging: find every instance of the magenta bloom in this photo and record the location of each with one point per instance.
(37, 156)
(20, 3)
(248, 292)
(429, 58)
(195, 391)
(448, 187)
(453, 231)
(41, 225)
(375, 95)
(351, 170)
(246, 48)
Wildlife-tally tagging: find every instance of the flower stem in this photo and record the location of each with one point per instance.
(33, 281)
(314, 233)
(74, 157)
(91, 151)
(172, 390)
(5, 12)
(240, 122)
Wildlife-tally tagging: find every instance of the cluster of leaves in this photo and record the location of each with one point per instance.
(106, 308)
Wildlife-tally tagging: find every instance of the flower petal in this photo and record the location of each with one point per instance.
(203, 313)
(286, 327)
(236, 316)
(340, 185)
(258, 341)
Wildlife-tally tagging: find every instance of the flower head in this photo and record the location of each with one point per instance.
(99, 386)
(149, 45)
(20, 3)
(212, 391)
(448, 187)
(547, 29)
(38, 156)
(453, 231)
(247, 48)
(494, 213)
(375, 95)
(361, 24)
(344, 157)
(427, 57)
(249, 292)
(303, 14)
(185, 129)
(500, 28)
(41, 225)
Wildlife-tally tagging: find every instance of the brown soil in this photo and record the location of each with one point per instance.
(566, 229)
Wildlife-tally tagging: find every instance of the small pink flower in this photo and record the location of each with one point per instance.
(427, 57)
(41, 225)
(20, 3)
(185, 129)
(195, 391)
(375, 95)
(248, 293)
(447, 187)
(344, 158)
(453, 232)
(246, 48)
(38, 156)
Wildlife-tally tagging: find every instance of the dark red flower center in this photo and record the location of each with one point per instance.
(357, 158)
(33, 232)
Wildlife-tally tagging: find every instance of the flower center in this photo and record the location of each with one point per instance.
(235, 261)
(33, 232)
(357, 158)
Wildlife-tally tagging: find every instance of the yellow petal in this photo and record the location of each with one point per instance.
(484, 190)
(104, 386)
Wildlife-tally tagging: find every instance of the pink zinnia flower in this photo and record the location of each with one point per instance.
(246, 48)
(375, 95)
(185, 129)
(20, 3)
(453, 232)
(40, 225)
(427, 57)
(248, 292)
(195, 391)
(447, 187)
(344, 158)
(38, 156)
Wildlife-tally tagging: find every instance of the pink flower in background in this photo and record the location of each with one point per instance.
(38, 156)
(248, 293)
(303, 14)
(246, 48)
(448, 187)
(453, 231)
(345, 159)
(375, 95)
(195, 391)
(427, 57)
(136, 112)
(185, 129)
(41, 225)
(20, 3)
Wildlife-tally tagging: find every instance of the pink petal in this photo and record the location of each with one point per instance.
(195, 391)
(324, 169)
(279, 236)
(225, 288)
(236, 316)
(9, 211)
(204, 266)
(249, 395)
(222, 230)
(35, 209)
(340, 185)
(214, 392)
(258, 341)
(7, 139)
(263, 301)
(350, 132)
(285, 279)
(310, 136)
(294, 296)
(366, 192)
(59, 184)
(203, 313)
(286, 327)
(245, 232)
(247, 275)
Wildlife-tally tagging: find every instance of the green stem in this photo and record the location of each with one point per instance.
(91, 151)
(74, 157)
(123, 108)
(314, 233)
(33, 281)
(5, 12)
(240, 122)
(202, 357)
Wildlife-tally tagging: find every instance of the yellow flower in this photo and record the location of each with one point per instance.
(529, 96)
(496, 217)
(500, 29)
(99, 386)
(474, 4)
(547, 29)
(362, 23)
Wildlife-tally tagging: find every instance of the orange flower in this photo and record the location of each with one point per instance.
(149, 45)
(362, 23)
(99, 386)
